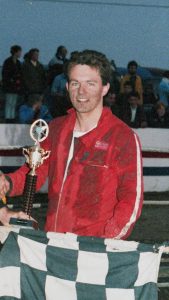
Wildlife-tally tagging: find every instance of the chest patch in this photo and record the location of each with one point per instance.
(101, 145)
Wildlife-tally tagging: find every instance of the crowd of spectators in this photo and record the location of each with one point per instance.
(30, 90)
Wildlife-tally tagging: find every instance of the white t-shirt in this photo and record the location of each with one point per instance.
(76, 134)
(133, 114)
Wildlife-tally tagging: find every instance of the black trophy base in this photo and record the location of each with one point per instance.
(23, 223)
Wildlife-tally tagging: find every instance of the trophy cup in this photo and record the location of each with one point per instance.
(35, 157)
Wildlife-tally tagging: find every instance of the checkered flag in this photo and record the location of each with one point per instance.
(37, 265)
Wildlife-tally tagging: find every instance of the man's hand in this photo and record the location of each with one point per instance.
(6, 214)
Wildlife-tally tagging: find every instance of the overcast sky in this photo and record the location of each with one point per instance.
(123, 30)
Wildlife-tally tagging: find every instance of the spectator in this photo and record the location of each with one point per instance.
(164, 89)
(59, 84)
(122, 98)
(115, 80)
(134, 79)
(159, 116)
(12, 82)
(34, 76)
(110, 101)
(34, 109)
(56, 64)
(134, 115)
(60, 56)
(60, 102)
(149, 97)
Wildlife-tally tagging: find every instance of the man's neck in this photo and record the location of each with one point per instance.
(86, 122)
(34, 62)
(14, 58)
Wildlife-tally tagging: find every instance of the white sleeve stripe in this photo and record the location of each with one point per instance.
(138, 193)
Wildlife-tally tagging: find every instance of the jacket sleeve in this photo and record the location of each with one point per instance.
(129, 190)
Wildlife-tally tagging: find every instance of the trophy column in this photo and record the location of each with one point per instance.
(35, 157)
(29, 192)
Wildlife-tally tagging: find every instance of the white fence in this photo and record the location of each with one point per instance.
(155, 146)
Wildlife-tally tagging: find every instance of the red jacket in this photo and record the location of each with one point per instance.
(103, 191)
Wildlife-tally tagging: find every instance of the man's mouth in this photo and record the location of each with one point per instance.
(82, 99)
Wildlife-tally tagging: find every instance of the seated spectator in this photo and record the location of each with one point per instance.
(159, 116)
(110, 101)
(34, 109)
(134, 79)
(134, 115)
(164, 89)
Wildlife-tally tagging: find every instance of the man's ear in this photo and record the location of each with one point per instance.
(67, 85)
(105, 89)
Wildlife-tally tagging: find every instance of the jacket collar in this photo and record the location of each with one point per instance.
(90, 138)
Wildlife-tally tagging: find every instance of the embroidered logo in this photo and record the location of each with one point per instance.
(101, 145)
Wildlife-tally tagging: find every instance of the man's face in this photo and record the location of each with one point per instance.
(35, 56)
(18, 53)
(127, 89)
(86, 90)
(132, 70)
(161, 111)
(133, 101)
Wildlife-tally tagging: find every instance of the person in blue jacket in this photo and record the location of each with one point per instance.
(34, 109)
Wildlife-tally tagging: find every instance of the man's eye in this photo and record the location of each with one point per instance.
(91, 83)
(75, 84)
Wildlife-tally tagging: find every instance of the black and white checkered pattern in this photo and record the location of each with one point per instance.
(37, 265)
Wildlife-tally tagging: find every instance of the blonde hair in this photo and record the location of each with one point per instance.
(159, 105)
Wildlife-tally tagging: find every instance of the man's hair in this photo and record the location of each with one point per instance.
(132, 63)
(14, 49)
(93, 59)
(61, 50)
(159, 105)
(32, 51)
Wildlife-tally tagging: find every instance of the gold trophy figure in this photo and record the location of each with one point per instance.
(35, 157)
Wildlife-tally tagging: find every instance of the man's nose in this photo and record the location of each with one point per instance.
(81, 88)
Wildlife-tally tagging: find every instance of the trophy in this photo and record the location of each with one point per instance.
(35, 157)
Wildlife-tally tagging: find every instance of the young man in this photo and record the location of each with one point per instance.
(133, 114)
(95, 169)
(34, 74)
(134, 79)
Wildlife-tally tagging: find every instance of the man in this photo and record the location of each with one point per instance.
(134, 79)
(94, 170)
(133, 114)
(34, 76)
(12, 82)
(60, 56)
(55, 66)
(164, 89)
